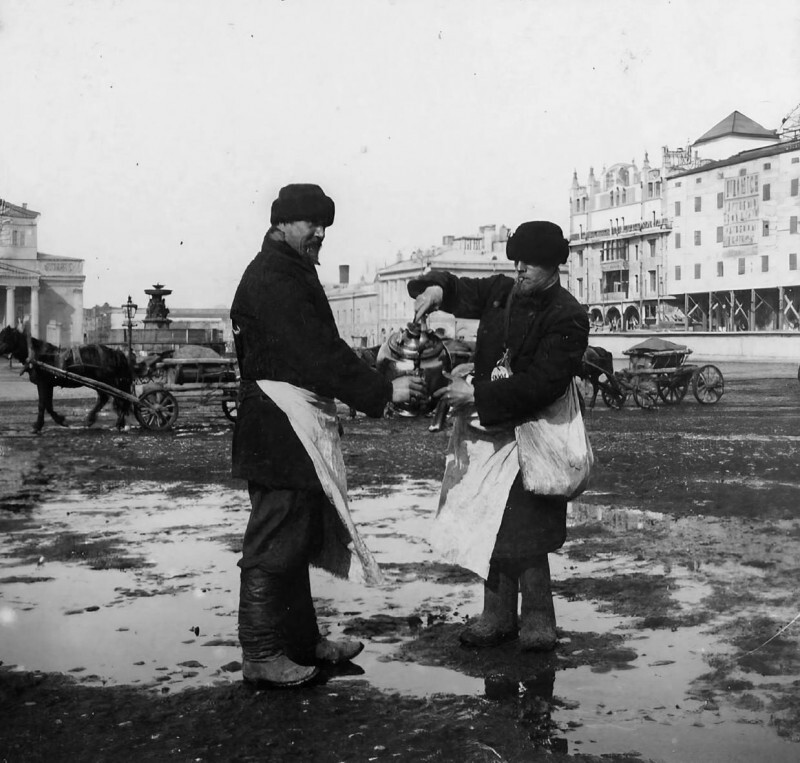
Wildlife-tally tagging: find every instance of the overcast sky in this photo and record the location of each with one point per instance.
(153, 135)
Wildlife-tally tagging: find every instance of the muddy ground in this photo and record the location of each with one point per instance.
(675, 594)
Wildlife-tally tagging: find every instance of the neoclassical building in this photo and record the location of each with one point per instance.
(42, 290)
(707, 240)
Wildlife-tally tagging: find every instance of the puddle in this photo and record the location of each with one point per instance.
(167, 620)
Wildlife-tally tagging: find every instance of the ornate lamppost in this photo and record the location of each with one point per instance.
(129, 308)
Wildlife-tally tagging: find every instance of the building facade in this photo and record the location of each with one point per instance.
(706, 241)
(41, 290)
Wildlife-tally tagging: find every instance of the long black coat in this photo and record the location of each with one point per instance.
(284, 330)
(547, 336)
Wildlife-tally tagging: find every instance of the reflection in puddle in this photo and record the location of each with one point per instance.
(170, 622)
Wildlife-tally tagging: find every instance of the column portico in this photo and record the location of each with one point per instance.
(34, 311)
(11, 308)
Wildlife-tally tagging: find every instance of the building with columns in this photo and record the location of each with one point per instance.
(706, 241)
(41, 290)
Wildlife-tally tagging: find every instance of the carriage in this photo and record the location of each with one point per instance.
(190, 370)
(658, 373)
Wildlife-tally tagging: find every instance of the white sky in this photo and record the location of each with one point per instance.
(153, 135)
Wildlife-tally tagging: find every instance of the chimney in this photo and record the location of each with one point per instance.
(344, 275)
(24, 204)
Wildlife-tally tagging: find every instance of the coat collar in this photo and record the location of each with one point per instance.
(275, 246)
(541, 299)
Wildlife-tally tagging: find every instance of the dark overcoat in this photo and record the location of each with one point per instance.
(547, 336)
(284, 330)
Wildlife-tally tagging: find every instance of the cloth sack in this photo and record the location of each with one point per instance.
(314, 421)
(555, 455)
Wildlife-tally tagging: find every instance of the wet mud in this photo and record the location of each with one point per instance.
(675, 597)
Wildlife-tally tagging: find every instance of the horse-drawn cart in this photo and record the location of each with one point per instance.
(658, 372)
(154, 409)
(204, 374)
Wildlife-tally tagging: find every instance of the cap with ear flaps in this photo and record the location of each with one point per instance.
(302, 201)
(538, 242)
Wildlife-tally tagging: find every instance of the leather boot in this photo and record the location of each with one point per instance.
(337, 652)
(261, 632)
(498, 623)
(538, 631)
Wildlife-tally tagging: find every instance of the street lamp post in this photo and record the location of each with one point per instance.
(130, 310)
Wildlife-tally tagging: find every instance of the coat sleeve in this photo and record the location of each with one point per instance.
(297, 334)
(462, 297)
(546, 376)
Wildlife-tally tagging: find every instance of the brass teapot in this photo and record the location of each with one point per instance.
(415, 351)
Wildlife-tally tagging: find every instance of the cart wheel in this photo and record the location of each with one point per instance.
(614, 398)
(672, 390)
(645, 395)
(230, 408)
(157, 409)
(708, 384)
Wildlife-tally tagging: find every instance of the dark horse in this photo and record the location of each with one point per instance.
(596, 363)
(92, 361)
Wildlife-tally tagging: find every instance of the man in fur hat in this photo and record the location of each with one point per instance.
(530, 343)
(293, 365)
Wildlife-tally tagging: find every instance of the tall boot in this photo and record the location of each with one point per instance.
(305, 645)
(262, 632)
(498, 622)
(538, 631)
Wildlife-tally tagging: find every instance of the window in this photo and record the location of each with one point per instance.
(579, 281)
(677, 209)
(719, 234)
(697, 270)
(764, 263)
(792, 260)
(677, 240)
(651, 278)
(765, 192)
(795, 159)
(699, 180)
(652, 243)
(793, 191)
(765, 227)
(720, 269)
(13, 238)
(580, 258)
(742, 172)
(677, 272)
(741, 266)
(719, 200)
(767, 166)
(698, 203)
(793, 224)
(678, 184)
(697, 238)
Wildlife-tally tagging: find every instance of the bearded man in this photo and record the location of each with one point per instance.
(530, 343)
(293, 366)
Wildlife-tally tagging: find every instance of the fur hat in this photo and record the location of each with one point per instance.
(302, 201)
(538, 243)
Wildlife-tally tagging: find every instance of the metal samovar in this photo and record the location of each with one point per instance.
(415, 351)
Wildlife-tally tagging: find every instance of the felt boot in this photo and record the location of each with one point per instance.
(261, 632)
(498, 622)
(538, 629)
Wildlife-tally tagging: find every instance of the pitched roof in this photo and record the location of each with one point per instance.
(12, 210)
(737, 124)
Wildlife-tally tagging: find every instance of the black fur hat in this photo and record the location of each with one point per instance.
(538, 243)
(302, 201)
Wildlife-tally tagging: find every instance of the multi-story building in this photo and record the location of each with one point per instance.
(618, 233)
(40, 290)
(735, 242)
(706, 241)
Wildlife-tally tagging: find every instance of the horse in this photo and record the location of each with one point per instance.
(96, 362)
(597, 361)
